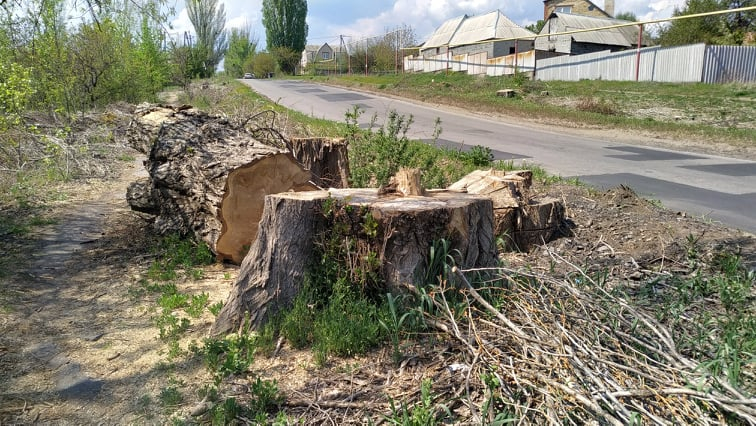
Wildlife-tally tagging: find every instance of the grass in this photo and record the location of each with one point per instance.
(711, 312)
(242, 102)
(703, 111)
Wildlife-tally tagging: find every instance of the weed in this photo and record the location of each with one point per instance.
(174, 350)
(170, 397)
(197, 304)
(598, 106)
(175, 252)
(348, 325)
(171, 326)
(298, 324)
(173, 300)
(230, 355)
(394, 324)
(425, 412)
(378, 155)
(440, 262)
(225, 412)
(215, 308)
(479, 156)
(265, 396)
(494, 409)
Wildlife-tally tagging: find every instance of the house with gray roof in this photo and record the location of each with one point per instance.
(492, 33)
(316, 53)
(577, 42)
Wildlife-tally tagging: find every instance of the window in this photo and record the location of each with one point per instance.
(563, 9)
(326, 55)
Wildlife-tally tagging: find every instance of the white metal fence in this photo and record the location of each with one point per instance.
(693, 63)
(478, 63)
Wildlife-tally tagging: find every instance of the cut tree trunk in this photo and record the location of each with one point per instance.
(274, 269)
(209, 176)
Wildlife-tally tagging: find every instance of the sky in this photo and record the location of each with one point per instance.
(358, 19)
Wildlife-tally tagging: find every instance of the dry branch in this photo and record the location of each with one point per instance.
(581, 354)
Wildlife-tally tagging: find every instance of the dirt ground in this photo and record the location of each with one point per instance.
(78, 344)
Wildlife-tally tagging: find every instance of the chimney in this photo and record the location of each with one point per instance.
(609, 7)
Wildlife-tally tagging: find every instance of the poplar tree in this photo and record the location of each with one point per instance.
(285, 30)
(209, 20)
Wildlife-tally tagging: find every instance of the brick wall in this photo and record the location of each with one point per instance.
(578, 7)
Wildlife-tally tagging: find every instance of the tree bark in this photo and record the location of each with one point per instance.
(273, 271)
(326, 158)
(208, 176)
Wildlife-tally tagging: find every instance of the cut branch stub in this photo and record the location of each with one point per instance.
(274, 269)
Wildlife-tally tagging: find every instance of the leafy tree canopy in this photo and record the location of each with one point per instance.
(241, 47)
(537, 27)
(285, 29)
(626, 16)
(732, 28)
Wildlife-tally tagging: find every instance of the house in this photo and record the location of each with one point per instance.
(578, 7)
(577, 43)
(492, 33)
(316, 53)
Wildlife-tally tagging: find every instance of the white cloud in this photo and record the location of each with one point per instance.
(327, 19)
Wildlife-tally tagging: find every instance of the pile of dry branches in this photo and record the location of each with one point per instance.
(567, 353)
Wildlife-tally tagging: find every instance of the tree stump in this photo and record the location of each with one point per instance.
(326, 158)
(520, 220)
(273, 271)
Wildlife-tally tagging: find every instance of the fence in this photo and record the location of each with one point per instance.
(693, 63)
(477, 63)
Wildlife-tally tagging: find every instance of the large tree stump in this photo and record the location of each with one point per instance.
(274, 269)
(208, 177)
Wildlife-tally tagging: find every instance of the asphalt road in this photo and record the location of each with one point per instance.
(715, 188)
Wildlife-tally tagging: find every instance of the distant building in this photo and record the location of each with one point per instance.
(578, 43)
(478, 34)
(316, 53)
(578, 7)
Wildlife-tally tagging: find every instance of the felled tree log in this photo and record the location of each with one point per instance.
(274, 269)
(209, 177)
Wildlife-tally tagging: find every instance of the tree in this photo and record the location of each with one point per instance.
(716, 29)
(263, 64)
(209, 20)
(626, 16)
(285, 30)
(240, 47)
(537, 27)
